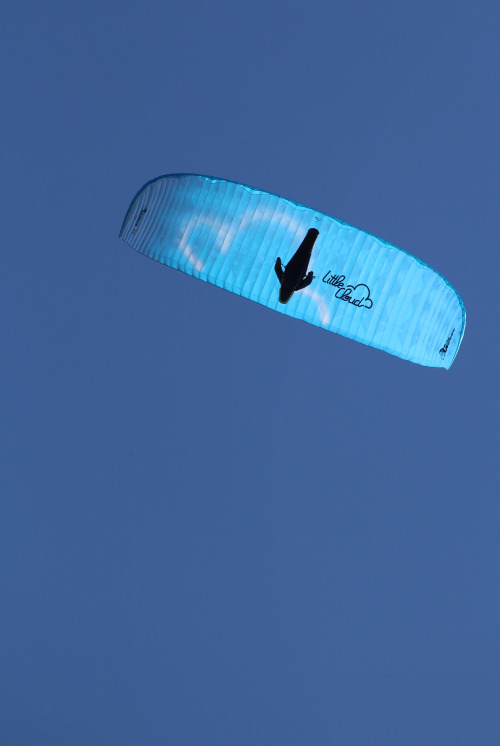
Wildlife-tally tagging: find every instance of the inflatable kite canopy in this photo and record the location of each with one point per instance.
(299, 262)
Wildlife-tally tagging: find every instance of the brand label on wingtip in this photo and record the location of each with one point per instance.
(141, 214)
(444, 348)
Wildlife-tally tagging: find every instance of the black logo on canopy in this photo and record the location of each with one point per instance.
(357, 295)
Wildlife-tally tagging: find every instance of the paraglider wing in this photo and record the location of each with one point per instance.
(231, 235)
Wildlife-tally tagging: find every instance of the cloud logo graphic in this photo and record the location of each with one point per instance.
(360, 293)
(356, 295)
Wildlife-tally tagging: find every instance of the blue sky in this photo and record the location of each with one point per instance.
(227, 526)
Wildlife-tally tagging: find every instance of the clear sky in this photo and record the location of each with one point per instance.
(226, 526)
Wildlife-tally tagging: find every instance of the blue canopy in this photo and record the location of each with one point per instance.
(359, 286)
